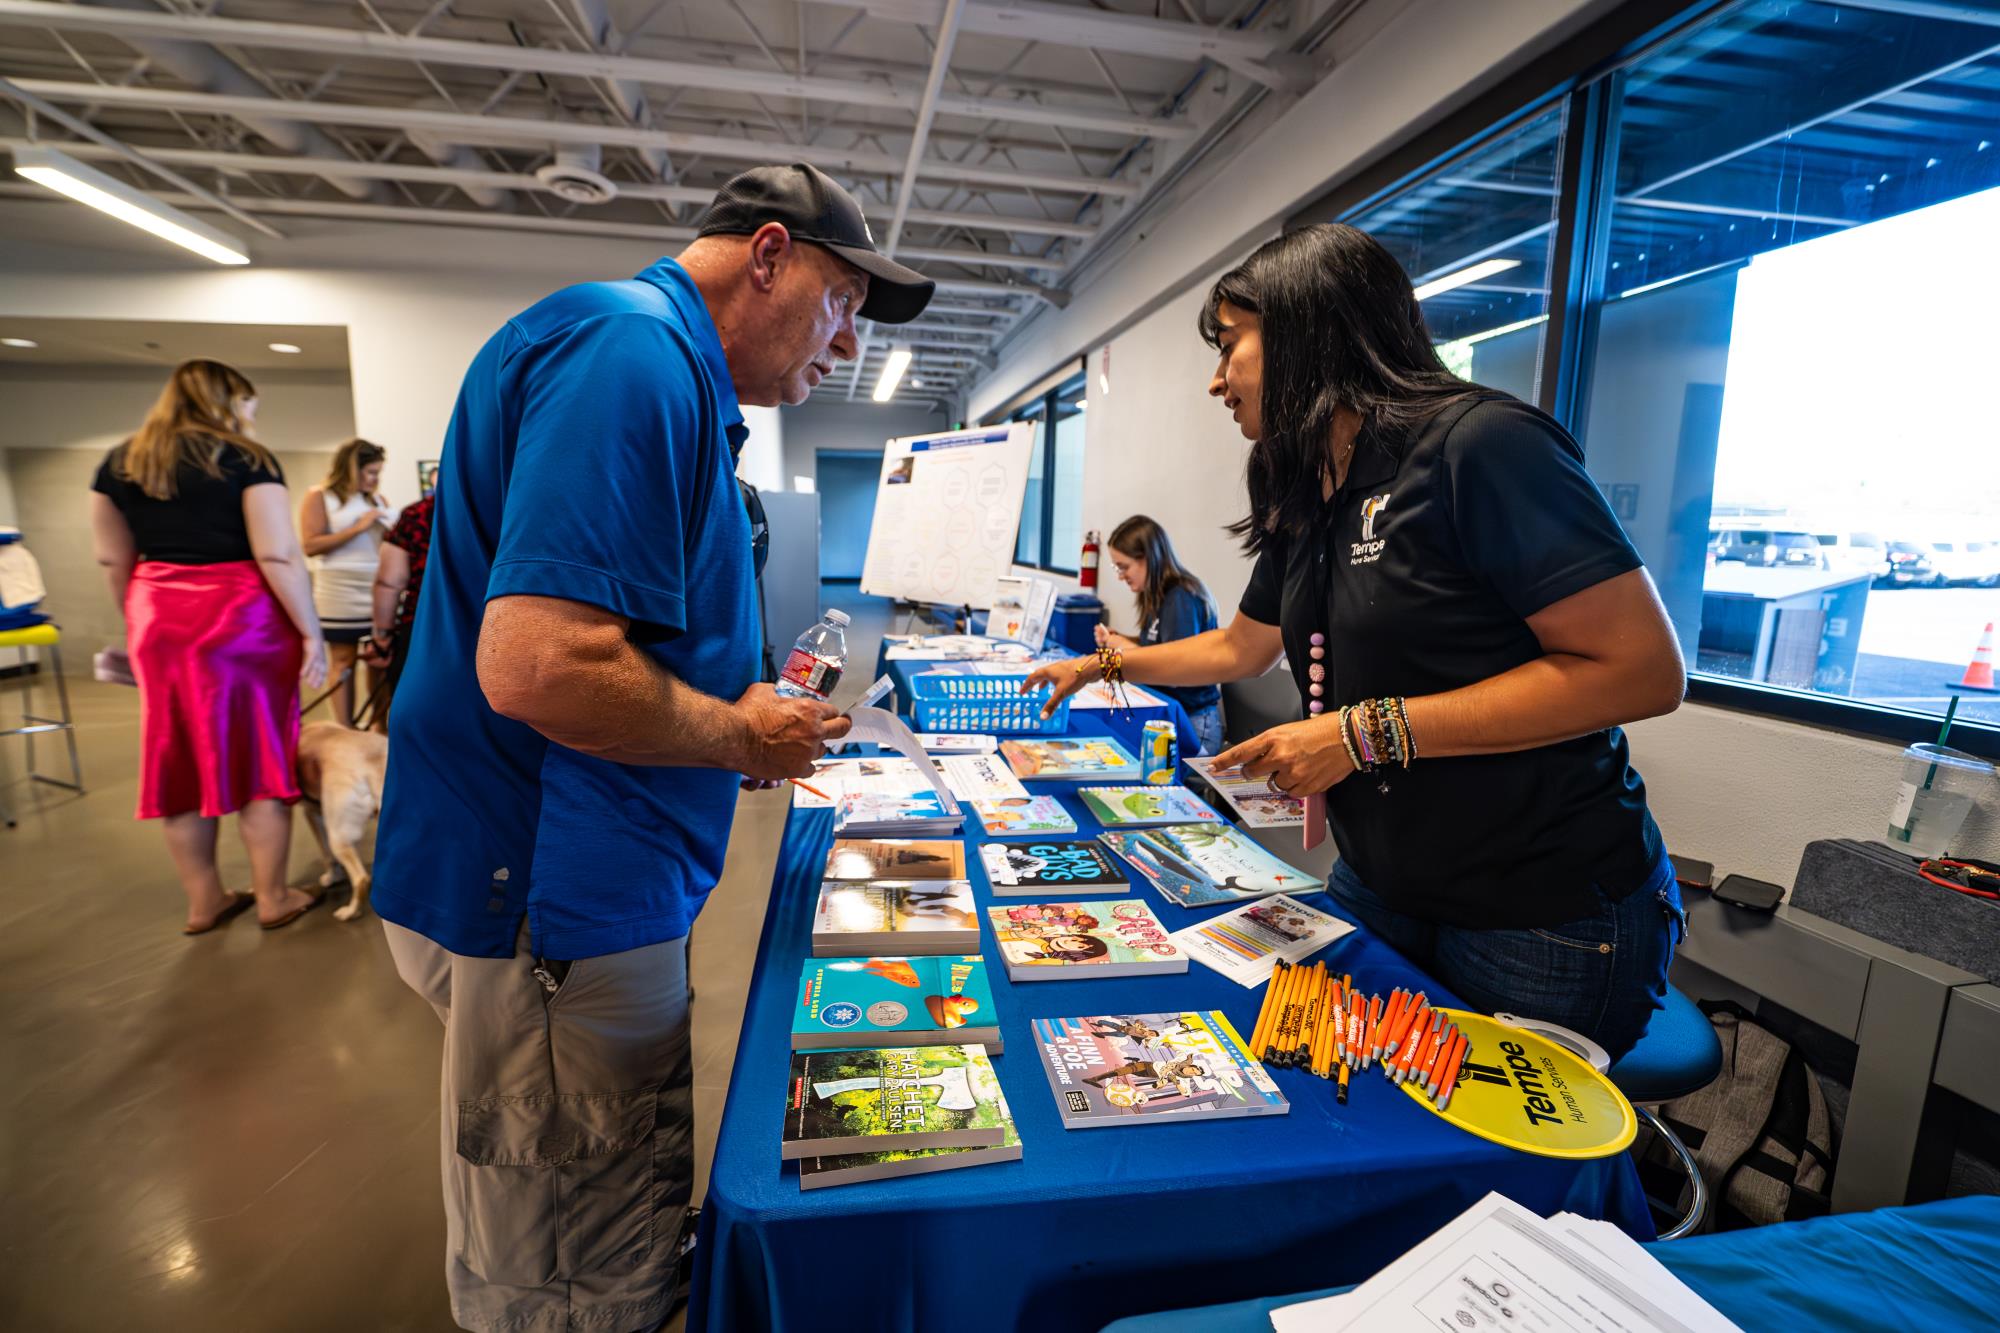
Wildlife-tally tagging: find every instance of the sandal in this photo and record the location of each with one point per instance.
(233, 904)
(293, 915)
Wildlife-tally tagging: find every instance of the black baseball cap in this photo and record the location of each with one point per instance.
(812, 207)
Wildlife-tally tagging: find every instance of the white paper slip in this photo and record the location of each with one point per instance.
(1099, 695)
(889, 775)
(981, 777)
(1497, 1265)
(1246, 944)
(957, 742)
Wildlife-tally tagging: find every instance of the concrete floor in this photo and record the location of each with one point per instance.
(239, 1130)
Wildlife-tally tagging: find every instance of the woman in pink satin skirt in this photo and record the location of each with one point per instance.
(192, 526)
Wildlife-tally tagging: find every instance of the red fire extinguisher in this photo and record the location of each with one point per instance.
(1087, 572)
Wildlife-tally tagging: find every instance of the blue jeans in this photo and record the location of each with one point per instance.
(1602, 975)
(1207, 726)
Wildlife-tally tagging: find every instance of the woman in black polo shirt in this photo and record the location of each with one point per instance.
(1468, 627)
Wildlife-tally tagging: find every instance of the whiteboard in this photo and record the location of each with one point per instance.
(947, 512)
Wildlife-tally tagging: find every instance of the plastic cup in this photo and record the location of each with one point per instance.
(1938, 790)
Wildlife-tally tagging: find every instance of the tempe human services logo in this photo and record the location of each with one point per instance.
(1369, 549)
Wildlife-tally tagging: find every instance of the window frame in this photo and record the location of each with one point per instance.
(1044, 396)
(1589, 70)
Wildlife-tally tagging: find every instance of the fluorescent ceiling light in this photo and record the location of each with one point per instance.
(1485, 268)
(1515, 327)
(892, 373)
(289, 349)
(803, 485)
(1678, 277)
(87, 185)
(18, 342)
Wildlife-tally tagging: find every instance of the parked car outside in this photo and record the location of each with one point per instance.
(1967, 562)
(1770, 548)
(1911, 565)
(1855, 553)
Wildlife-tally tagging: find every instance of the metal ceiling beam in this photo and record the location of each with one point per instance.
(1924, 9)
(512, 131)
(1262, 57)
(626, 69)
(942, 45)
(435, 175)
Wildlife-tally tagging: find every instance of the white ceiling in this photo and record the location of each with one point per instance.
(129, 342)
(1044, 122)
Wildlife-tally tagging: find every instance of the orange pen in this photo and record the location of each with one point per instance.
(1450, 1080)
(1412, 1014)
(1390, 1013)
(1418, 1035)
(1427, 1059)
(1378, 1031)
(1447, 1067)
(1374, 1040)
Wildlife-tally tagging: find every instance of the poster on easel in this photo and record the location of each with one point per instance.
(1021, 610)
(947, 512)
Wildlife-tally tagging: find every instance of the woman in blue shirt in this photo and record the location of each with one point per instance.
(1173, 604)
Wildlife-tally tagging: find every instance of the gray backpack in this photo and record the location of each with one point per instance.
(1760, 1132)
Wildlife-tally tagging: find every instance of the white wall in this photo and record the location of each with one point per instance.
(851, 427)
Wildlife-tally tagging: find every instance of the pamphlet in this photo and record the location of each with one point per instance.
(981, 777)
(1196, 865)
(1134, 1069)
(1251, 798)
(916, 813)
(1247, 944)
(957, 742)
(1565, 1273)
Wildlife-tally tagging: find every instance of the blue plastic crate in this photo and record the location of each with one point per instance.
(944, 702)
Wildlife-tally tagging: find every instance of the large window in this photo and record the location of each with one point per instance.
(1758, 257)
(1476, 236)
(1051, 532)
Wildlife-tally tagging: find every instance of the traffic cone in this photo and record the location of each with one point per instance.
(1979, 675)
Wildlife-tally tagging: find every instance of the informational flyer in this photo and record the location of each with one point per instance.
(946, 515)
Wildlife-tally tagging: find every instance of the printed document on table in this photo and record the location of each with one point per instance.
(1499, 1266)
(886, 729)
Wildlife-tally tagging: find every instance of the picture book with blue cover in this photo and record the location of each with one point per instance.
(1139, 806)
(1196, 865)
(849, 1002)
(1070, 759)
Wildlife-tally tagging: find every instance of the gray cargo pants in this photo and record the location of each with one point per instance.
(568, 1138)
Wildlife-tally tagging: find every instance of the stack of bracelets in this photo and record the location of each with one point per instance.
(1377, 733)
(1111, 669)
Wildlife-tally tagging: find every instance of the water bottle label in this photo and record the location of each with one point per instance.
(811, 674)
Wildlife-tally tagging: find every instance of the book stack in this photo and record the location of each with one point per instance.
(939, 1001)
(895, 858)
(896, 918)
(896, 1111)
(918, 813)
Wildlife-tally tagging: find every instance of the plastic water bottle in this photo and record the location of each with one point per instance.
(816, 660)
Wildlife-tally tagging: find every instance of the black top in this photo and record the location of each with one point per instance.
(1421, 571)
(203, 523)
(1183, 614)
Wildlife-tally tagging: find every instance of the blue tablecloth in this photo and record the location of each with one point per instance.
(1913, 1270)
(1126, 725)
(1092, 1224)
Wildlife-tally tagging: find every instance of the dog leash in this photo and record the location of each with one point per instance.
(340, 680)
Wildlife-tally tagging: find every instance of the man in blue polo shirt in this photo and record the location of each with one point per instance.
(579, 707)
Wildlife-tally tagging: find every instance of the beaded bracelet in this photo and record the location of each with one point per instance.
(1347, 739)
(1409, 737)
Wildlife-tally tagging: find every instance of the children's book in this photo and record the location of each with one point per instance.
(1023, 816)
(926, 918)
(900, 1001)
(1031, 869)
(853, 1168)
(895, 858)
(1199, 864)
(1132, 1069)
(1246, 944)
(1048, 941)
(1138, 807)
(1070, 759)
(957, 742)
(892, 1098)
(916, 813)
(1251, 798)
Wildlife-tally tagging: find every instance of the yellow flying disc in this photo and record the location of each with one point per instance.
(1524, 1091)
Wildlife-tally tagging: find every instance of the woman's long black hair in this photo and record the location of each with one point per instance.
(1341, 328)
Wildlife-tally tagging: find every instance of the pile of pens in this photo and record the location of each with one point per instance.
(1315, 1020)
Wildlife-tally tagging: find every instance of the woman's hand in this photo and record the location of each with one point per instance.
(313, 673)
(1110, 638)
(1062, 678)
(1301, 758)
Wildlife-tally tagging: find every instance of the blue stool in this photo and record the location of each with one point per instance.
(1679, 1054)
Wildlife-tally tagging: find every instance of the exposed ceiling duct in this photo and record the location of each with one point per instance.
(206, 68)
(574, 176)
